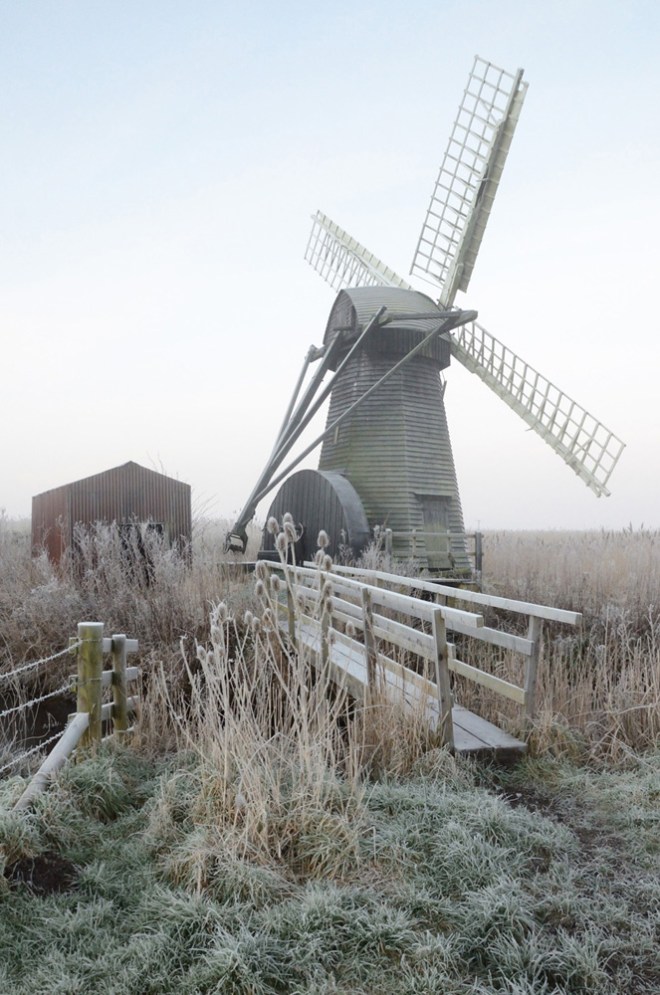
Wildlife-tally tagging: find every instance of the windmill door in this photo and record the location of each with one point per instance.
(435, 513)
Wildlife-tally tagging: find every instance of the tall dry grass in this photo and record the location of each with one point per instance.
(599, 686)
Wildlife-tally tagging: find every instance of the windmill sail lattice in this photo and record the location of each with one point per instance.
(584, 443)
(386, 455)
(468, 179)
(343, 262)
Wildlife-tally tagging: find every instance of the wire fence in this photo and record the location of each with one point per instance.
(10, 676)
(39, 663)
(33, 749)
(84, 727)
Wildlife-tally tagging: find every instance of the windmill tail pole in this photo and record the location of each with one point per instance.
(292, 427)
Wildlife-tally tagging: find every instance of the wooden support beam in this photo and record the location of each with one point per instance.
(56, 759)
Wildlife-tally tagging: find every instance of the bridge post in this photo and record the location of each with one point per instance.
(442, 679)
(534, 633)
(369, 641)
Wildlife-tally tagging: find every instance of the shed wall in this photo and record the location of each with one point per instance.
(125, 493)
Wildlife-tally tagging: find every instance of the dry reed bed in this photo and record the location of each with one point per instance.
(599, 688)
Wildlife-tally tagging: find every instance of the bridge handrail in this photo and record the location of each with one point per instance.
(545, 612)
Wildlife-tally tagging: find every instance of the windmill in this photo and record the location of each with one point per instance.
(386, 457)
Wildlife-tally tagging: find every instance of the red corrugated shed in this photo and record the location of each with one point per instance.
(128, 493)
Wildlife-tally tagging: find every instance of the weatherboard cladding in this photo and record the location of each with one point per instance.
(353, 310)
(122, 494)
(395, 447)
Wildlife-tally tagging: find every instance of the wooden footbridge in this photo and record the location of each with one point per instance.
(381, 633)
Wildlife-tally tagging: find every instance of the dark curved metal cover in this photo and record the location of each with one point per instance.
(321, 500)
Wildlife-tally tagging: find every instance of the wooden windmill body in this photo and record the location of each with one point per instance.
(386, 458)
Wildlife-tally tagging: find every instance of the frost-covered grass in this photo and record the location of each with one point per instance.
(259, 835)
(459, 880)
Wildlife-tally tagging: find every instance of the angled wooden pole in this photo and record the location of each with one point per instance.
(90, 668)
(55, 760)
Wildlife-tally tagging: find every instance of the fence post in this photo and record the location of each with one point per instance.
(442, 678)
(534, 632)
(119, 694)
(90, 668)
(369, 640)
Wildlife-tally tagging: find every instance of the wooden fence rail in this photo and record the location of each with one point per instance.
(85, 726)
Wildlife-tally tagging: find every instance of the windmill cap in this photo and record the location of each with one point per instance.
(404, 325)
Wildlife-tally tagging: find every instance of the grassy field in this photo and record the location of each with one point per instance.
(259, 835)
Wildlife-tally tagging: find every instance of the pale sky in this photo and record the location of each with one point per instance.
(159, 167)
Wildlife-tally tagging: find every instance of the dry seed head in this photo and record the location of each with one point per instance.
(287, 518)
(350, 630)
(275, 584)
(221, 612)
(260, 589)
(281, 543)
(323, 539)
(290, 531)
(261, 570)
(247, 618)
(268, 618)
(273, 525)
(327, 562)
(256, 625)
(216, 634)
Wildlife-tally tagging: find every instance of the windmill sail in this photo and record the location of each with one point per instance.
(343, 262)
(468, 179)
(584, 443)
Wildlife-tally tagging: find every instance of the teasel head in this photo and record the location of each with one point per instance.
(261, 570)
(290, 531)
(221, 612)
